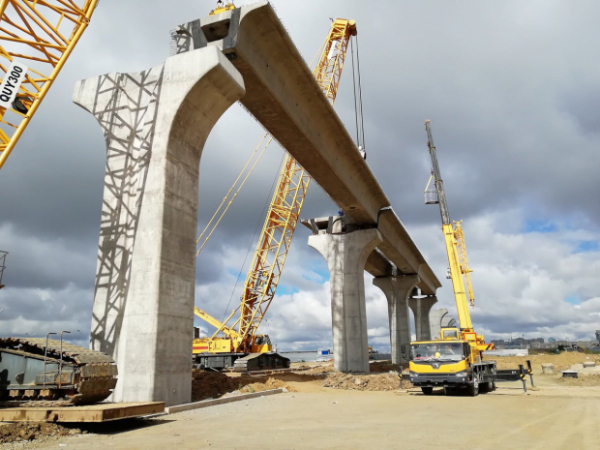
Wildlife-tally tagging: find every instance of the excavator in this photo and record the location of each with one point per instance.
(455, 359)
(239, 346)
(36, 39)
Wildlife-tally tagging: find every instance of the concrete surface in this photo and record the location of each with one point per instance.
(337, 419)
(144, 298)
(396, 290)
(346, 255)
(285, 98)
(222, 401)
(421, 308)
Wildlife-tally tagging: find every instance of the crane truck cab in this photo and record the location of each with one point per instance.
(453, 361)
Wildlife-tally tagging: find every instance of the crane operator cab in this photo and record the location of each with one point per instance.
(453, 361)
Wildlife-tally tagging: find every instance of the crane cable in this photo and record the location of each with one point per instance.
(237, 180)
(253, 240)
(358, 104)
(256, 159)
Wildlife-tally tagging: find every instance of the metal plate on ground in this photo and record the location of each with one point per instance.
(103, 412)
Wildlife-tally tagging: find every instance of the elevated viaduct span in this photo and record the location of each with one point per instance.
(156, 123)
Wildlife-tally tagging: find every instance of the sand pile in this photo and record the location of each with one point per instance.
(370, 382)
(384, 366)
(561, 361)
(212, 385)
(582, 380)
(313, 368)
(265, 385)
(24, 431)
(207, 385)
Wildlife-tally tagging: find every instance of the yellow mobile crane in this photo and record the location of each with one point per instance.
(238, 345)
(454, 360)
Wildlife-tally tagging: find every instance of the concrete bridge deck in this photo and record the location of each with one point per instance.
(282, 94)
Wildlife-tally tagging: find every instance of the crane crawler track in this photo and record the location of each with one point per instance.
(86, 376)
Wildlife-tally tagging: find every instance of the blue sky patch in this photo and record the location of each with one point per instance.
(285, 289)
(573, 300)
(539, 226)
(586, 246)
(318, 275)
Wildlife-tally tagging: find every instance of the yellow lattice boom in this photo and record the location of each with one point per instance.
(284, 211)
(40, 35)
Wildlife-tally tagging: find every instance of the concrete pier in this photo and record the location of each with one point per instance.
(155, 123)
(396, 290)
(346, 255)
(421, 308)
(436, 317)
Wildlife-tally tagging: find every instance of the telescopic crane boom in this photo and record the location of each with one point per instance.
(454, 238)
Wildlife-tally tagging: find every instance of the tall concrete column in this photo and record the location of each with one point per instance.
(435, 318)
(155, 123)
(396, 290)
(421, 308)
(346, 256)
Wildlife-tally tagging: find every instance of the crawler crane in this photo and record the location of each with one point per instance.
(455, 360)
(36, 39)
(238, 345)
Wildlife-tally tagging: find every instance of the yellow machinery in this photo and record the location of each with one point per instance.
(36, 39)
(221, 8)
(240, 337)
(456, 359)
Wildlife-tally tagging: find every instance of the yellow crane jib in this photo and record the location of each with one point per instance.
(36, 39)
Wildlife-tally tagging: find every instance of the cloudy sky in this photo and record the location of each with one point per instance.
(511, 89)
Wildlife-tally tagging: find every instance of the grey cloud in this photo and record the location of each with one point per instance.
(510, 89)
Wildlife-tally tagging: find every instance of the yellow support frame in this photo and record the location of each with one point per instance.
(41, 34)
(284, 211)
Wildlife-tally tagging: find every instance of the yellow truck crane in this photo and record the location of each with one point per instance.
(455, 359)
(238, 346)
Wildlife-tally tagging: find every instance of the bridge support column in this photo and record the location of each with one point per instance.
(396, 290)
(346, 256)
(421, 308)
(155, 123)
(435, 317)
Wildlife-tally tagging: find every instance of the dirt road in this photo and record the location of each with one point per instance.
(337, 419)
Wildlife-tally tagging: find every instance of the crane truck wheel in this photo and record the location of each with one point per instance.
(427, 390)
(474, 387)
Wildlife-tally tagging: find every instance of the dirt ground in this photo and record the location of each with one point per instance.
(324, 410)
(561, 361)
(15, 432)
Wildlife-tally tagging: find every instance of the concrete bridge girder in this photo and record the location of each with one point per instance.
(284, 97)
